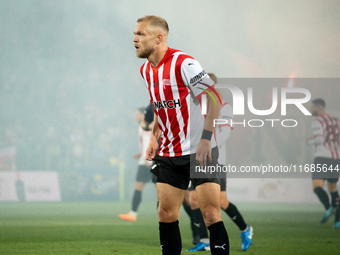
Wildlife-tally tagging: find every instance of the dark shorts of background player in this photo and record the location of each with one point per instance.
(331, 176)
(143, 174)
(175, 171)
(223, 184)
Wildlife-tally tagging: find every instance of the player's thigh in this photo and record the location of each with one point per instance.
(193, 200)
(170, 199)
(208, 196)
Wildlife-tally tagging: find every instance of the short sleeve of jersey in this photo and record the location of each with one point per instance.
(140, 132)
(317, 128)
(141, 73)
(195, 78)
(226, 112)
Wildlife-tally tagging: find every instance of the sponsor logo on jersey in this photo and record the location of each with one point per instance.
(166, 104)
(197, 78)
(166, 82)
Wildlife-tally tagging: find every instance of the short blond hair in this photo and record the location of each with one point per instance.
(155, 21)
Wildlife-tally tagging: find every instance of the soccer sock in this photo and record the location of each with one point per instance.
(236, 217)
(323, 197)
(200, 225)
(219, 241)
(335, 203)
(137, 198)
(170, 237)
(188, 210)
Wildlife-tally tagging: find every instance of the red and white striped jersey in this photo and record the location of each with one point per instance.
(222, 131)
(175, 87)
(326, 136)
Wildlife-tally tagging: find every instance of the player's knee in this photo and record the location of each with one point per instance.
(224, 204)
(139, 186)
(316, 187)
(332, 186)
(194, 204)
(167, 215)
(211, 214)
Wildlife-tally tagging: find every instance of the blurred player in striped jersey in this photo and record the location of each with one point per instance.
(327, 155)
(222, 133)
(143, 173)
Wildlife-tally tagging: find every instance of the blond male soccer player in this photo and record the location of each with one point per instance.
(175, 82)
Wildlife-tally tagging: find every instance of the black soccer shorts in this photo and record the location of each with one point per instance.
(175, 171)
(333, 169)
(143, 174)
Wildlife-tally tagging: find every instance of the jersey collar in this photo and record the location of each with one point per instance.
(167, 53)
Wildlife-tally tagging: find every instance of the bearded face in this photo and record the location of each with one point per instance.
(144, 51)
(144, 40)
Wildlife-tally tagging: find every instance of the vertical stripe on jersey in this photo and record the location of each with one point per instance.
(166, 147)
(326, 143)
(174, 122)
(183, 92)
(332, 136)
(332, 145)
(144, 75)
(146, 69)
(176, 114)
(337, 132)
(161, 117)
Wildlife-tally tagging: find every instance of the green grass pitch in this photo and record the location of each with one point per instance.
(91, 228)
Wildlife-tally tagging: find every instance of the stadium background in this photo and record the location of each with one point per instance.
(70, 83)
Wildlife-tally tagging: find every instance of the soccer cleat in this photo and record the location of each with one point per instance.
(246, 237)
(328, 213)
(127, 217)
(200, 247)
(337, 224)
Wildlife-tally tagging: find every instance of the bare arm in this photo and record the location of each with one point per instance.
(317, 134)
(153, 145)
(213, 111)
(204, 147)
